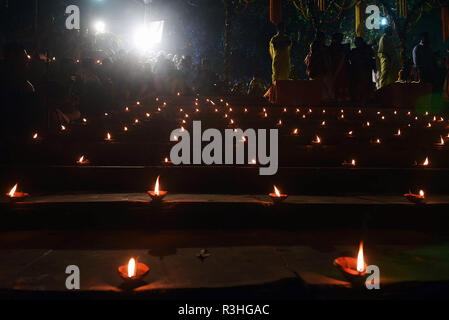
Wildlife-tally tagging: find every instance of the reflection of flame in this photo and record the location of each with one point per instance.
(421, 193)
(426, 162)
(12, 192)
(156, 187)
(276, 191)
(131, 268)
(360, 259)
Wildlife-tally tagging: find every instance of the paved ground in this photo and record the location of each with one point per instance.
(36, 260)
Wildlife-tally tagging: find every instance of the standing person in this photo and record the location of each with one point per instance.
(361, 71)
(318, 65)
(424, 60)
(338, 53)
(280, 46)
(389, 61)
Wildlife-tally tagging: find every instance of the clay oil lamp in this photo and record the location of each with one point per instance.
(82, 160)
(157, 195)
(317, 141)
(416, 198)
(36, 137)
(277, 197)
(441, 143)
(349, 164)
(279, 123)
(16, 196)
(424, 164)
(108, 137)
(353, 269)
(133, 271)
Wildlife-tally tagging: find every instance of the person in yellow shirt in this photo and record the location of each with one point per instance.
(389, 60)
(280, 46)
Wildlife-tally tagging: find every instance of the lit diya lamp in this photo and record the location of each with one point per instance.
(108, 137)
(157, 195)
(133, 270)
(353, 269)
(441, 143)
(277, 197)
(15, 195)
(349, 164)
(36, 137)
(82, 160)
(317, 140)
(424, 164)
(415, 198)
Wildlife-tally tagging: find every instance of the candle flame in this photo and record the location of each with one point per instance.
(12, 192)
(353, 162)
(276, 191)
(426, 162)
(318, 140)
(35, 136)
(421, 193)
(81, 160)
(156, 187)
(441, 140)
(131, 268)
(360, 259)
(108, 136)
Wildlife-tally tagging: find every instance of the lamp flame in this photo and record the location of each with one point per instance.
(360, 259)
(131, 268)
(276, 191)
(156, 187)
(426, 162)
(421, 193)
(12, 192)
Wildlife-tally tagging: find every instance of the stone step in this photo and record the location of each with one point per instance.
(225, 179)
(202, 211)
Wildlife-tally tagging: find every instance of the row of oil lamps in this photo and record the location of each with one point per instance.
(354, 269)
(157, 195)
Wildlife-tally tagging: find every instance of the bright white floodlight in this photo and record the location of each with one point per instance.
(100, 27)
(148, 36)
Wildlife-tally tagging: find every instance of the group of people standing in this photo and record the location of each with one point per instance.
(354, 74)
